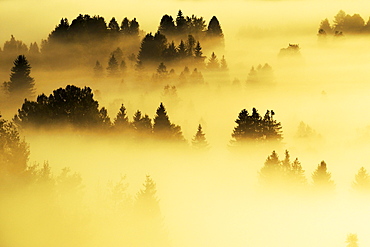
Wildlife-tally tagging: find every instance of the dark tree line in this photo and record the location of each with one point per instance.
(344, 24)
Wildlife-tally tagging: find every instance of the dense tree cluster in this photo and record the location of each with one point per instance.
(344, 24)
(255, 128)
(261, 75)
(278, 174)
(71, 105)
(182, 26)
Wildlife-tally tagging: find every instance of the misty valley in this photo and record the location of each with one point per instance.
(188, 135)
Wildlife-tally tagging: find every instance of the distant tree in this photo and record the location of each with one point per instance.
(170, 53)
(112, 66)
(362, 181)
(271, 173)
(292, 50)
(352, 240)
(322, 178)
(197, 77)
(14, 47)
(60, 33)
(326, 27)
(105, 119)
(271, 129)
(339, 20)
(98, 69)
(118, 54)
(21, 84)
(199, 141)
(213, 63)
(121, 121)
(34, 49)
(163, 128)
(190, 45)
(223, 65)
(181, 50)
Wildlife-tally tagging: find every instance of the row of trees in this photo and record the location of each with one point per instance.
(289, 175)
(344, 24)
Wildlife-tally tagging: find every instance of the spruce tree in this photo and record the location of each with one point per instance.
(121, 121)
(362, 181)
(142, 124)
(163, 128)
(112, 66)
(21, 84)
(213, 63)
(322, 178)
(199, 141)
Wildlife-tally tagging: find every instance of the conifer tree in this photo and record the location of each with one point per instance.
(167, 25)
(142, 124)
(98, 69)
(223, 65)
(112, 66)
(199, 141)
(163, 128)
(181, 50)
(121, 121)
(125, 26)
(113, 26)
(181, 25)
(213, 63)
(362, 181)
(322, 178)
(21, 84)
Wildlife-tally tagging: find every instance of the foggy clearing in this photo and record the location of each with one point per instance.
(236, 123)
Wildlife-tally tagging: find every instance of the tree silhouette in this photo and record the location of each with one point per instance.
(163, 128)
(71, 105)
(121, 121)
(181, 25)
(362, 181)
(142, 124)
(199, 141)
(213, 63)
(214, 29)
(112, 66)
(98, 69)
(125, 26)
(322, 178)
(113, 28)
(255, 128)
(21, 84)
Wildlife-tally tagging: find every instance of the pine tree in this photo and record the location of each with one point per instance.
(167, 25)
(181, 25)
(112, 66)
(181, 50)
(163, 128)
(362, 181)
(142, 124)
(214, 29)
(223, 66)
(213, 63)
(199, 141)
(21, 84)
(121, 121)
(125, 26)
(105, 119)
(271, 173)
(322, 178)
(98, 69)
(113, 26)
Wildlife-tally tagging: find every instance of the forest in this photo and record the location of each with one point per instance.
(187, 134)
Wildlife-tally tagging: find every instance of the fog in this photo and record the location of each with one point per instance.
(215, 197)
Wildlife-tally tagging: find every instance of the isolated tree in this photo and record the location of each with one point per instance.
(322, 178)
(98, 69)
(199, 141)
(362, 181)
(21, 84)
(146, 199)
(162, 126)
(214, 29)
(352, 240)
(213, 63)
(112, 66)
(223, 65)
(121, 121)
